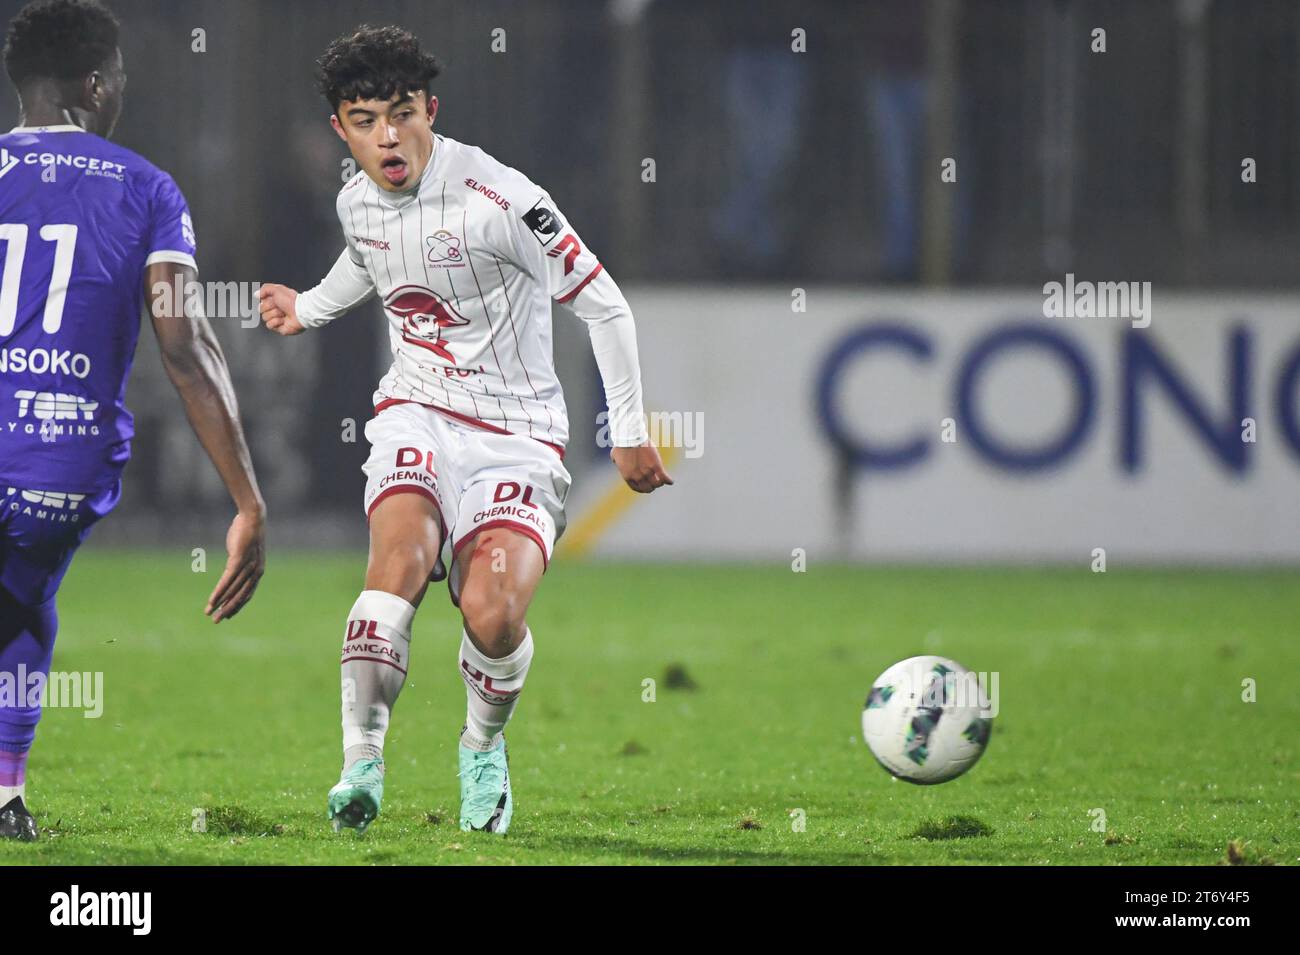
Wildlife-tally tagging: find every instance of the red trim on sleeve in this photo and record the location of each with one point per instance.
(581, 285)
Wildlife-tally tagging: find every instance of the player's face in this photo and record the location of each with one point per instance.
(391, 140)
(105, 88)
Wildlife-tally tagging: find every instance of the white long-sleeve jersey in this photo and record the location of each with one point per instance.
(467, 264)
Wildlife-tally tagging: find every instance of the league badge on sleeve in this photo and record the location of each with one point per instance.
(545, 223)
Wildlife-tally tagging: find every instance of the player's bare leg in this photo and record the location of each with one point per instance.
(498, 570)
(405, 534)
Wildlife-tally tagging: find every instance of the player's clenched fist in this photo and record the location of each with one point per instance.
(642, 468)
(279, 310)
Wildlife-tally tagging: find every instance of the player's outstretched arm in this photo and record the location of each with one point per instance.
(347, 285)
(612, 329)
(194, 363)
(578, 281)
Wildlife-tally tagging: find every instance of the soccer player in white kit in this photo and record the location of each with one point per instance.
(467, 442)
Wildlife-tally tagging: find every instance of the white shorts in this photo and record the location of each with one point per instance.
(477, 479)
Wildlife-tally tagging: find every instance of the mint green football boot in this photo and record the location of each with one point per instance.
(485, 801)
(354, 800)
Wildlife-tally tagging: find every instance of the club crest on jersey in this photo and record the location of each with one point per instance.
(444, 249)
(544, 222)
(424, 314)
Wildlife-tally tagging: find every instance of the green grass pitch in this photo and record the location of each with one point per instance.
(1119, 691)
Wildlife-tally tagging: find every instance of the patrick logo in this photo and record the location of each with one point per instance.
(424, 314)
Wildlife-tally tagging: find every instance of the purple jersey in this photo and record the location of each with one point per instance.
(80, 218)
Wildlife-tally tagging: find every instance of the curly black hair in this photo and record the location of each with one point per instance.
(59, 39)
(374, 63)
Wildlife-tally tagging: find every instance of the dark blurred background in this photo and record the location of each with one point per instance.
(774, 166)
(769, 167)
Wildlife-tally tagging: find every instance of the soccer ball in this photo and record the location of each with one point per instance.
(926, 720)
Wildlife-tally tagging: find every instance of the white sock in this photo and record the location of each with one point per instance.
(491, 690)
(8, 793)
(376, 645)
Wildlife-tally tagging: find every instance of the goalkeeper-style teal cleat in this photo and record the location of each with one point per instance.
(485, 801)
(354, 800)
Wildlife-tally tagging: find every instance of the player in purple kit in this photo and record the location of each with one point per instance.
(88, 232)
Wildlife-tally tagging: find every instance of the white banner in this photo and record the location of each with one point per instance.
(963, 427)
